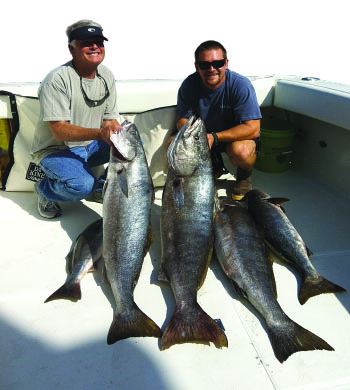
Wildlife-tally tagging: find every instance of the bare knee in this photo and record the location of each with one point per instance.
(242, 153)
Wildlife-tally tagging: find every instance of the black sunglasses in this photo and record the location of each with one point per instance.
(90, 102)
(205, 65)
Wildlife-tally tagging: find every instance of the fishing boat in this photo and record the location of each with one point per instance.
(62, 344)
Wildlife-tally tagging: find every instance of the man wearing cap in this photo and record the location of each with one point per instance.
(78, 113)
(226, 102)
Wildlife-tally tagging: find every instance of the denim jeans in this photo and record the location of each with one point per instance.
(69, 175)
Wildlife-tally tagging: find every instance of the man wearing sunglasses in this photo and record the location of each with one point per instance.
(226, 102)
(78, 113)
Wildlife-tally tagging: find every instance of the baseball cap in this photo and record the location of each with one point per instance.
(85, 32)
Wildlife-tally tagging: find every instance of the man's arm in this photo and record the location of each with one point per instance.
(245, 131)
(65, 132)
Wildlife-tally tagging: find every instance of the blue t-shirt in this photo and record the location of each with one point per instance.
(222, 108)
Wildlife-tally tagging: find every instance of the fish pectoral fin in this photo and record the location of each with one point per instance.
(178, 192)
(122, 181)
(104, 187)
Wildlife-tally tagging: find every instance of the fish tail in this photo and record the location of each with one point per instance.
(71, 292)
(315, 286)
(198, 327)
(133, 323)
(294, 338)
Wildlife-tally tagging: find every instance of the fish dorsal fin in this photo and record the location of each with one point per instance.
(123, 181)
(178, 192)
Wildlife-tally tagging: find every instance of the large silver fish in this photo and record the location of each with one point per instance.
(127, 202)
(187, 235)
(87, 251)
(242, 254)
(284, 239)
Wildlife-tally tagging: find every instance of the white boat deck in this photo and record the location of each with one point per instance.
(62, 345)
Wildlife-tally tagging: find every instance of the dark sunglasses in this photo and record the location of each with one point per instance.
(90, 102)
(91, 42)
(205, 65)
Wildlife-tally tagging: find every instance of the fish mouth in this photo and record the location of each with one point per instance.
(183, 130)
(193, 130)
(116, 153)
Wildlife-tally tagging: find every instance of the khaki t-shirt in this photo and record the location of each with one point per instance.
(61, 99)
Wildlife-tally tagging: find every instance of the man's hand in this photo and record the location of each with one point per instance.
(109, 128)
(210, 140)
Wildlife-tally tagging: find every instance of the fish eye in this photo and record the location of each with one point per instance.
(196, 137)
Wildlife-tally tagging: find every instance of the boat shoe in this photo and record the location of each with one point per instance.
(243, 184)
(46, 208)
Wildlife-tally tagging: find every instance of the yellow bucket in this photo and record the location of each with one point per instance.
(4, 134)
(276, 142)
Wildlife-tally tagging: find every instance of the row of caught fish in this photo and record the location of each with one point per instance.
(193, 222)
